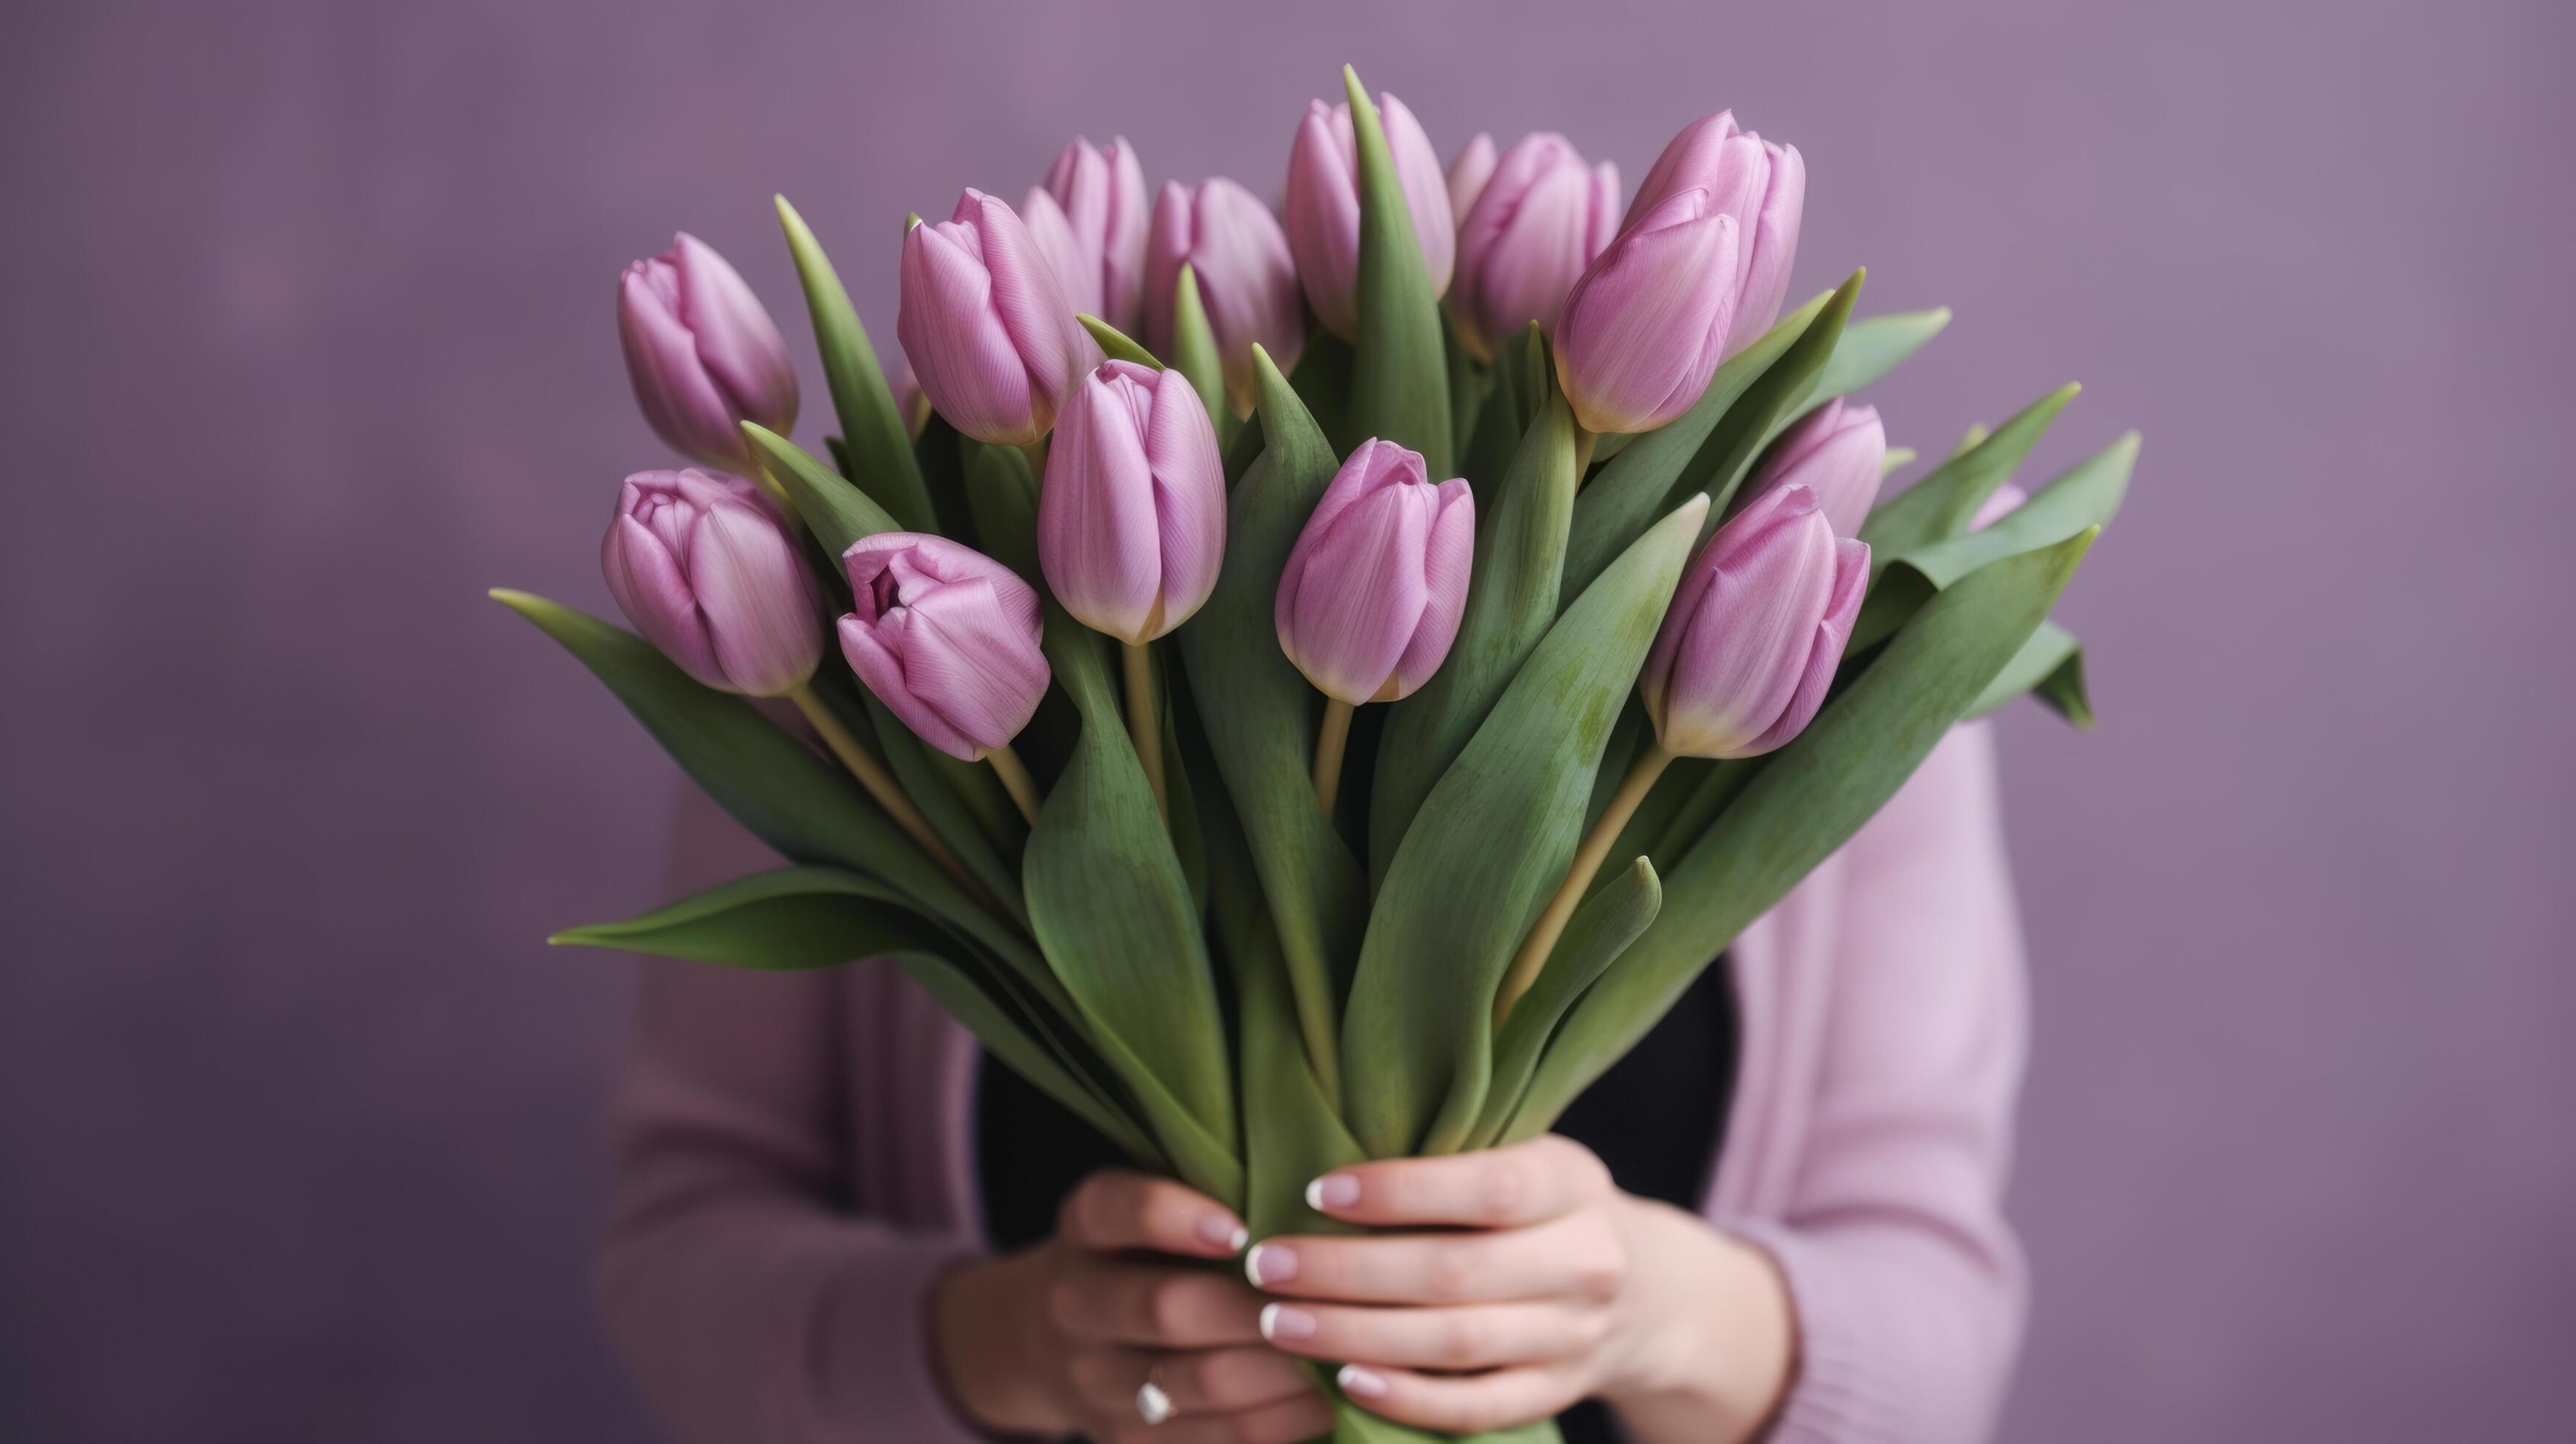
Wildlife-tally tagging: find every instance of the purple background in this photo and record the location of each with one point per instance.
(308, 341)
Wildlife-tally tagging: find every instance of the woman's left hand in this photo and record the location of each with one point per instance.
(1565, 1289)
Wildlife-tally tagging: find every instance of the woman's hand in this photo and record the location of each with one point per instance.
(1567, 1289)
(1067, 1336)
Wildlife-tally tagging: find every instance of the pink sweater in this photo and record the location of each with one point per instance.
(794, 1166)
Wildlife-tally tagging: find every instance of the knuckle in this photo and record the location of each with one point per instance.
(1469, 1340)
(1063, 1303)
(1509, 1186)
(1167, 1308)
(1600, 1277)
(1447, 1275)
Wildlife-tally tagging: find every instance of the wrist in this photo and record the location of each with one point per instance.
(1714, 1337)
(981, 1347)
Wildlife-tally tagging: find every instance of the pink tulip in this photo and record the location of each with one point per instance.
(1053, 235)
(1101, 191)
(1839, 452)
(702, 354)
(1646, 323)
(986, 325)
(1763, 186)
(701, 566)
(1324, 207)
(1131, 519)
(1246, 279)
(1755, 631)
(946, 637)
(1374, 588)
(1469, 169)
(1540, 220)
(2003, 502)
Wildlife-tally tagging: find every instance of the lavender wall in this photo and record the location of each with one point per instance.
(308, 341)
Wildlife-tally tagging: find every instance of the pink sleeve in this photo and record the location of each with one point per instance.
(749, 1303)
(1908, 1285)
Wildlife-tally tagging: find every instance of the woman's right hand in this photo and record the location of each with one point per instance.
(1064, 1337)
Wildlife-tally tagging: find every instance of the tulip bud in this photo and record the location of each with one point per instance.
(1053, 235)
(1324, 207)
(1101, 191)
(1755, 631)
(1247, 282)
(1374, 588)
(1839, 452)
(1644, 326)
(1541, 219)
(985, 323)
(701, 566)
(946, 637)
(1763, 186)
(2002, 502)
(1469, 169)
(1131, 520)
(703, 355)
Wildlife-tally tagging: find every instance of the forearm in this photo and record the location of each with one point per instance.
(1719, 1345)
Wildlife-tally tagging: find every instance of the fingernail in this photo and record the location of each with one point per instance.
(1279, 1321)
(1360, 1383)
(1333, 1190)
(1218, 1231)
(1269, 1263)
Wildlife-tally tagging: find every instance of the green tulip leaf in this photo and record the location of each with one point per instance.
(1875, 345)
(1488, 848)
(1804, 802)
(788, 920)
(1600, 930)
(1260, 715)
(834, 510)
(2087, 494)
(1195, 355)
(872, 429)
(807, 808)
(1706, 448)
(1117, 345)
(1940, 505)
(1522, 384)
(1400, 372)
(1511, 603)
(2050, 668)
(1003, 498)
(1470, 381)
(1112, 909)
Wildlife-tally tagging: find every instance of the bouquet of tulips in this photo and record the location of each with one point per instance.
(1341, 722)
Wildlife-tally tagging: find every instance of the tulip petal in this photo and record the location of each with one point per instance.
(1359, 594)
(969, 661)
(1742, 650)
(1824, 658)
(1447, 563)
(1773, 244)
(679, 399)
(646, 580)
(758, 602)
(866, 648)
(1077, 271)
(1642, 330)
(738, 343)
(1189, 497)
(1098, 536)
(1031, 303)
(953, 334)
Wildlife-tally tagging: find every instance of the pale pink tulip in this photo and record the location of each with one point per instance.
(1839, 452)
(1131, 518)
(703, 355)
(1101, 190)
(1762, 185)
(701, 566)
(1644, 327)
(1755, 631)
(1469, 169)
(1374, 588)
(1324, 207)
(1246, 280)
(985, 323)
(1541, 218)
(946, 637)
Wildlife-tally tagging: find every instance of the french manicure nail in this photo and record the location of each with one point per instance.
(1279, 1321)
(1269, 1263)
(1333, 1190)
(1218, 1231)
(1360, 1383)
